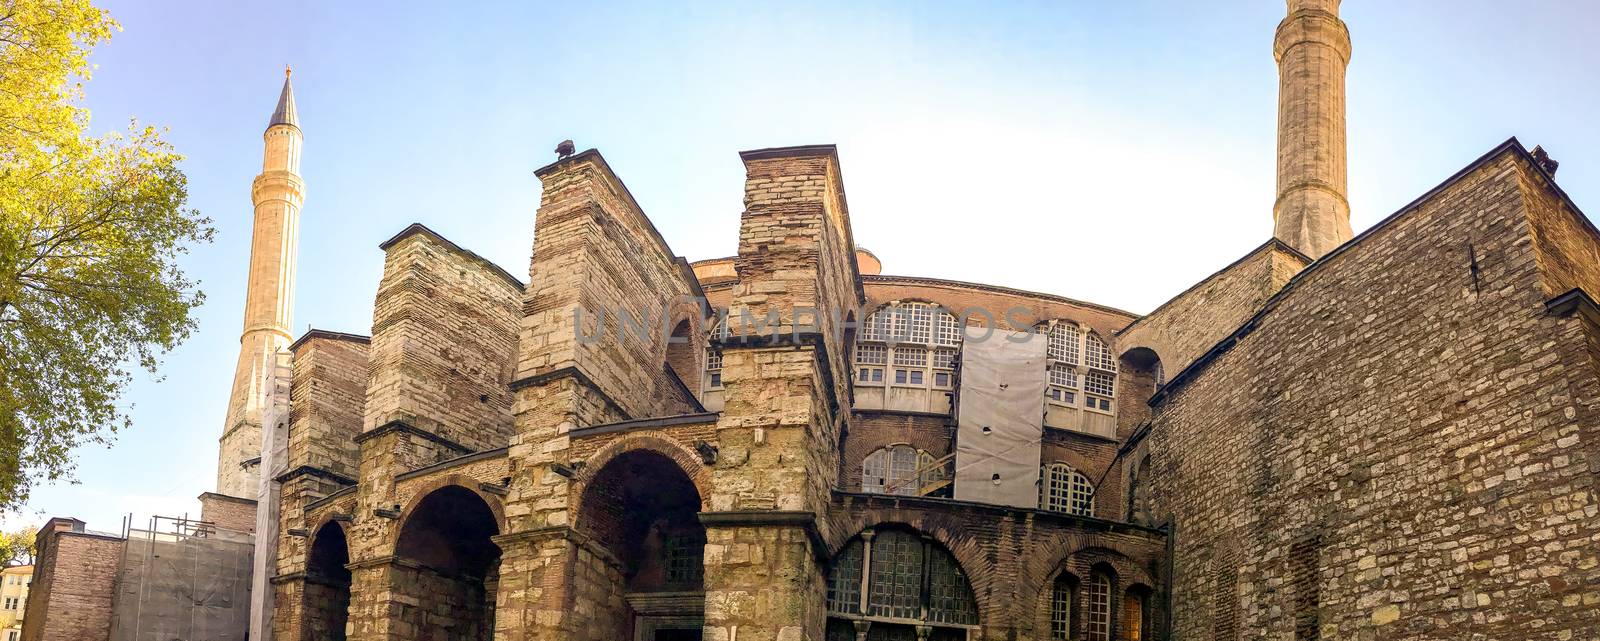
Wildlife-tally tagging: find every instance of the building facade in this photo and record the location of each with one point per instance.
(1384, 436)
(14, 584)
(1390, 435)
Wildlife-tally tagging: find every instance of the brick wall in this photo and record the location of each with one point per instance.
(228, 512)
(72, 588)
(1402, 445)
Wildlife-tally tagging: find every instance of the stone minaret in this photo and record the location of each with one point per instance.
(1312, 48)
(269, 300)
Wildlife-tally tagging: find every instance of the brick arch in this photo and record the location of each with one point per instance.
(974, 565)
(1067, 553)
(655, 441)
(433, 485)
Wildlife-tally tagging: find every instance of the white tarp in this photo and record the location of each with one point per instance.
(1000, 419)
(274, 461)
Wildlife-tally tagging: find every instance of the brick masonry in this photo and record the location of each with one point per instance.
(74, 576)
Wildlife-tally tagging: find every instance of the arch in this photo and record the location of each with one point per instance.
(1060, 610)
(461, 481)
(325, 605)
(903, 578)
(659, 442)
(445, 557)
(1134, 618)
(1099, 603)
(638, 508)
(682, 354)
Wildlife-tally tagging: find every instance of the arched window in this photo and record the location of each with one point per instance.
(900, 580)
(908, 345)
(1063, 489)
(900, 469)
(1097, 596)
(1061, 607)
(1131, 623)
(1073, 355)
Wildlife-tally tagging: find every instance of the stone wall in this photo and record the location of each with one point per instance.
(1401, 444)
(327, 393)
(73, 582)
(443, 338)
(1185, 327)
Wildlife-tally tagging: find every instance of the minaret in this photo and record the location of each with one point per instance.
(1312, 48)
(269, 300)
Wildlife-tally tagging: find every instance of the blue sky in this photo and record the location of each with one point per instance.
(1114, 152)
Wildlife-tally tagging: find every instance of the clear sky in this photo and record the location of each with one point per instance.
(1114, 152)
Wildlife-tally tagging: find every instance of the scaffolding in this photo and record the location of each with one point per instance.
(183, 580)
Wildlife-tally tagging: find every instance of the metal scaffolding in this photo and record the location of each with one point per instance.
(183, 580)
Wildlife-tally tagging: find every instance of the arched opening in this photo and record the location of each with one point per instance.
(891, 581)
(1061, 606)
(327, 592)
(448, 567)
(643, 509)
(1098, 592)
(683, 357)
(1134, 624)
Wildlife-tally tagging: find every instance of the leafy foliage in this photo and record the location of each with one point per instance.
(90, 232)
(16, 548)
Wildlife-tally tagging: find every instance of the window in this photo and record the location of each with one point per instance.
(899, 578)
(11, 603)
(713, 368)
(685, 561)
(719, 331)
(1132, 621)
(898, 469)
(1097, 369)
(1063, 489)
(918, 342)
(1061, 608)
(1098, 597)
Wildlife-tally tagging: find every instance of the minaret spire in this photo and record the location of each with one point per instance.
(278, 193)
(1312, 48)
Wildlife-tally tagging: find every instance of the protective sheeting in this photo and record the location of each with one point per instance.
(182, 579)
(274, 461)
(1000, 419)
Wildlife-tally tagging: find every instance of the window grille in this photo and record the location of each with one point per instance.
(896, 588)
(844, 581)
(1098, 354)
(911, 357)
(1101, 383)
(1063, 376)
(1098, 598)
(1132, 621)
(1061, 609)
(944, 358)
(871, 354)
(921, 327)
(714, 368)
(948, 330)
(875, 472)
(1063, 345)
(911, 582)
(685, 560)
(949, 597)
(1065, 490)
(876, 327)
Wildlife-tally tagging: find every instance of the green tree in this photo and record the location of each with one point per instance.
(16, 548)
(90, 232)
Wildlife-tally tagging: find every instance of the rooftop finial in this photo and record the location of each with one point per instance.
(286, 71)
